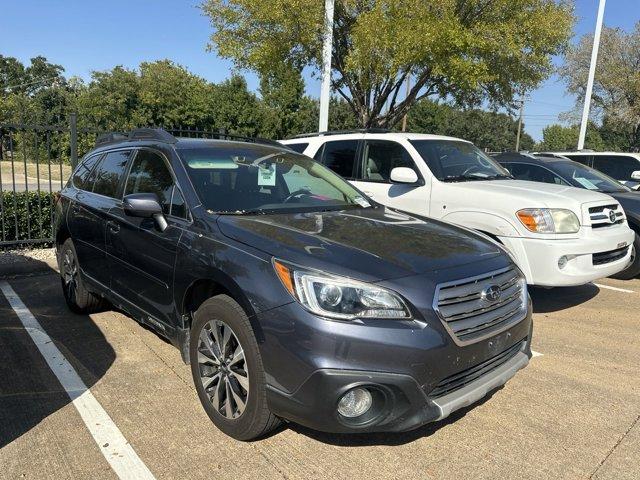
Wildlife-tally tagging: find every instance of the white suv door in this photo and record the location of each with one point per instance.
(378, 157)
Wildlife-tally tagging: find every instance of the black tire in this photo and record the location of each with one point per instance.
(78, 298)
(255, 420)
(633, 270)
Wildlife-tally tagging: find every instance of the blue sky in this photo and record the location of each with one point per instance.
(90, 35)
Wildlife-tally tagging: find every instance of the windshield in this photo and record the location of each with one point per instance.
(454, 161)
(243, 179)
(587, 177)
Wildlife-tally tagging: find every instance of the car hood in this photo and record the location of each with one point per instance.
(630, 201)
(525, 194)
(370, 244)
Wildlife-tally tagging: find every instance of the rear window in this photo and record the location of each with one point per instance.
(110, 172)
(298, 147)
(340, 156)
(81, 176)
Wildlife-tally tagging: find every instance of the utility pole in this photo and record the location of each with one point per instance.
(327, 46)
(404, 119)
(592, 73)
(519, 124)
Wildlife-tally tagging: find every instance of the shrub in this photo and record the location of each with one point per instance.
(25, 216)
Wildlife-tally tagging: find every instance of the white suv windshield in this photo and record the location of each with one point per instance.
(237, 179)
(452, 161)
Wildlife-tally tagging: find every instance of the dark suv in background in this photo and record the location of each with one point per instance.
(291, 294)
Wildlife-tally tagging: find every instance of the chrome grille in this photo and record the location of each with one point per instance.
(599, 216)
(475, 308)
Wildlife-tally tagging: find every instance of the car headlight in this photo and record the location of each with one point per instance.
(549, 220)
(339, 297)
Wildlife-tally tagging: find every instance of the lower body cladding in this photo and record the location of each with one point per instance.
(562, 263)
(384, 379)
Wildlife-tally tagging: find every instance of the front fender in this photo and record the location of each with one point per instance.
(485, 222)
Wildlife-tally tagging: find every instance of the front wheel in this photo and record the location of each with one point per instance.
(633, 270)
(227, 370)
(78, 298)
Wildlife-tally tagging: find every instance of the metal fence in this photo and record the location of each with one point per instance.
(35, 163)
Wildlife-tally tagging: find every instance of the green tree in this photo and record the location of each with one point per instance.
(558, 138)
(234, 108)
(616, 88)
(112, 100)
(488, 130)
(468, 50)
(282, 92)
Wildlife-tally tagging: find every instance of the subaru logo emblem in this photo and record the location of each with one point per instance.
(492, 293)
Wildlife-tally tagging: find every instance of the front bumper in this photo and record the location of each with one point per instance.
(400, 403)
(538, 258)
(417, 372)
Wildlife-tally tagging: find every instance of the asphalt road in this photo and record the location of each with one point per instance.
(574, 412)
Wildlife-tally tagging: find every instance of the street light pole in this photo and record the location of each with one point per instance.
(592, 72)
(519, 124)
(327, 46)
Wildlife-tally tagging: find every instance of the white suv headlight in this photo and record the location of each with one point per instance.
(339, 297)
(549, 220)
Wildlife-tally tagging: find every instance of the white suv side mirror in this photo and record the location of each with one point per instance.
(404, 175)
(634, 175)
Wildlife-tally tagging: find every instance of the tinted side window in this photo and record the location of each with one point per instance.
(178, 207)
(110, 173)
(617, 167)
(150, 174)
(81, 175)
(583, 159)
(298, 147)
(340, 156)
(534, 173)
(380, 157)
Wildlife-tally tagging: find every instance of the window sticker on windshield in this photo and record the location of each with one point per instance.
(361, 201)
(267, 175)
(586, 183)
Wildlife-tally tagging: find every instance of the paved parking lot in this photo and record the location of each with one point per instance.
(573, 413)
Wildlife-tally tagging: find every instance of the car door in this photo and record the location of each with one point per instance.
(89, 212)
(141, 257)
(373, 177)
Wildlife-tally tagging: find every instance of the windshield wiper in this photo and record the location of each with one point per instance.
(464, 178)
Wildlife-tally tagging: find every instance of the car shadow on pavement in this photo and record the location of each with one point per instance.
(392, 439)
(29, 391)
(549, 300)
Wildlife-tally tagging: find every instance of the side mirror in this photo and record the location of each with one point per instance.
(145, 205)
(404, 175)
(635, 175)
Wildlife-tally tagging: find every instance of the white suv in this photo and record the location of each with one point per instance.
(558, 235)
(624, 167)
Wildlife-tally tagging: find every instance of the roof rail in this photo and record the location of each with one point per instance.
(106, 138)
(158, 134)
(341, 132)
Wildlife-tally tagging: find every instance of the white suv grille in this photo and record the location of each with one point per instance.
(608, 215)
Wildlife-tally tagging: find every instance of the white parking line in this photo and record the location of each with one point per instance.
(116, 450)
(623, 290)
(536, 354)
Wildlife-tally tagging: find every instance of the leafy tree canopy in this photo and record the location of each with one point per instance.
(467, 50)
(616, 88)
(488, 130)
(558, 138)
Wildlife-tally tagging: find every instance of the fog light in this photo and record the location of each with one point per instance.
(355, 402)
(563, 262)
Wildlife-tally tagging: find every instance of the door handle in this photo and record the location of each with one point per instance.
(113, 227)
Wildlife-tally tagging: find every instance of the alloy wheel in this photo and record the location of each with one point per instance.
(223, 369)
(70, 274)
